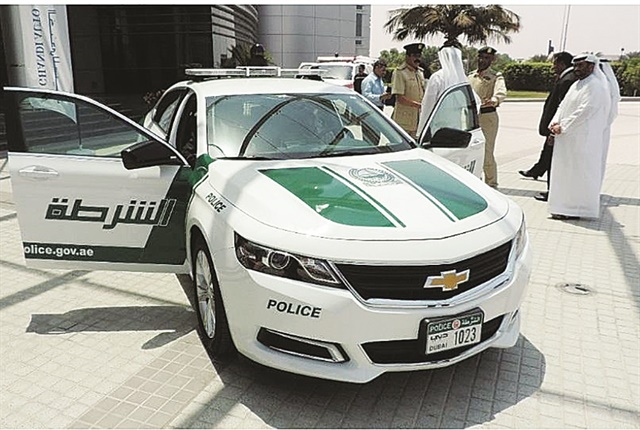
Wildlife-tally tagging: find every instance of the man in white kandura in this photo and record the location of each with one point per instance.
(451, 73)
(614, 93)
(579, 126)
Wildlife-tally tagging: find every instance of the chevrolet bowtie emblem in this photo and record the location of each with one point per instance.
(448, 280)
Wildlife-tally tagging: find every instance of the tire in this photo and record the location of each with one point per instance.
(213, 326)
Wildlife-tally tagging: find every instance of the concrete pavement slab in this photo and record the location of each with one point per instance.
(83, 349)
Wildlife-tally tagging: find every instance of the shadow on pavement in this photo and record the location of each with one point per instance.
(466, 394)
(176, 322)
(605, 199)
(41, 288)
(621, 241)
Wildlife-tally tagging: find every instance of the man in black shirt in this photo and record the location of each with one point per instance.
(257, 56)
(358, 78)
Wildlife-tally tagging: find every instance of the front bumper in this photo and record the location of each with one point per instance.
(329, 333)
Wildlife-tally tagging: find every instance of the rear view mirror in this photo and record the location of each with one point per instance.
(449, 138)
(147, 154)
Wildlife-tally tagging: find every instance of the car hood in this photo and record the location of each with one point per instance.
(397, 196)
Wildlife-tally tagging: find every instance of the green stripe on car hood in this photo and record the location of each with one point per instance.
(455, 196)
(328, 196)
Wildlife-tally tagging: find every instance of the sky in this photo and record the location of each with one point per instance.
(591, 28)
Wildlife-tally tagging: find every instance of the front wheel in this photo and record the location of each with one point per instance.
(212, 319)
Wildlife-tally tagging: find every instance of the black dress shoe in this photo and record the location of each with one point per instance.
(564, 217)
(543, 197)
(528, 174)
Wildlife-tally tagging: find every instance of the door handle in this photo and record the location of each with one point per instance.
(38, 172)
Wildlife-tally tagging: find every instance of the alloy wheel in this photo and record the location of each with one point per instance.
(205, 294)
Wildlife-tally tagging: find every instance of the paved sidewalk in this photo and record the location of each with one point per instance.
(83, 349)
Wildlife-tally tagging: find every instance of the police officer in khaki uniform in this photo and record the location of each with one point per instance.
(408, 86)
(491, 89)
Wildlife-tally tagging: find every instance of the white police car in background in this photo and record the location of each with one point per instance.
(320, 239)
(340, 70)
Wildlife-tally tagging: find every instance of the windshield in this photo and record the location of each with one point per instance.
(283, 126)
(336, 71)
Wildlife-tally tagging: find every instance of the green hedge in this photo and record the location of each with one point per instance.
(528, 76)
(628, 75)
(539, 76)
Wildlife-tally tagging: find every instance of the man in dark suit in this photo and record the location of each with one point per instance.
(565, 77)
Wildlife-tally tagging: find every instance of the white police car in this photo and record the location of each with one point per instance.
(320, 239)
(339, 70)
(339, 73)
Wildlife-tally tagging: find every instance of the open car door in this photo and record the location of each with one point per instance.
(78, 205)
(456, 113)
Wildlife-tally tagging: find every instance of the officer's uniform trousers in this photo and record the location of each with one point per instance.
(489, 85)
(489, 122)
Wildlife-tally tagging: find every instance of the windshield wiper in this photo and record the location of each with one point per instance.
(248, 158)
(347, 153)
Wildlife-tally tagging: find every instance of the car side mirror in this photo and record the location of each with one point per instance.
(147, 154)
(449, 138)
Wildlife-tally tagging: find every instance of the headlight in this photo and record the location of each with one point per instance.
(520, 240)
(280, 263)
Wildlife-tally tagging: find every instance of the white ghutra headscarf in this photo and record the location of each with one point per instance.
(451, 73)
(614, 87)
(452, 68)
(614, 96)
(608, 82)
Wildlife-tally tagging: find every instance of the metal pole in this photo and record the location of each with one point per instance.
(565, 29)
(14, 51)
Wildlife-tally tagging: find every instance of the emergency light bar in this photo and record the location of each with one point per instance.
(252, 71)
(354, 59)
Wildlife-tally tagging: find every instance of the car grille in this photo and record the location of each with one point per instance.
(412, 350)
(407, 282)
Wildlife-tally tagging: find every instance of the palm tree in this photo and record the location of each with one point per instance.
(240, 54)
(477, 24)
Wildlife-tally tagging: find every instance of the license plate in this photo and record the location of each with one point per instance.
(450, 333)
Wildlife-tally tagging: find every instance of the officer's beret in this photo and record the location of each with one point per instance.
(589, 58)
(487, 50)
(414, 48)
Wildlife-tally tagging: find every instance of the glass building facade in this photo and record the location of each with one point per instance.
(135, 49)
(121, 52)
